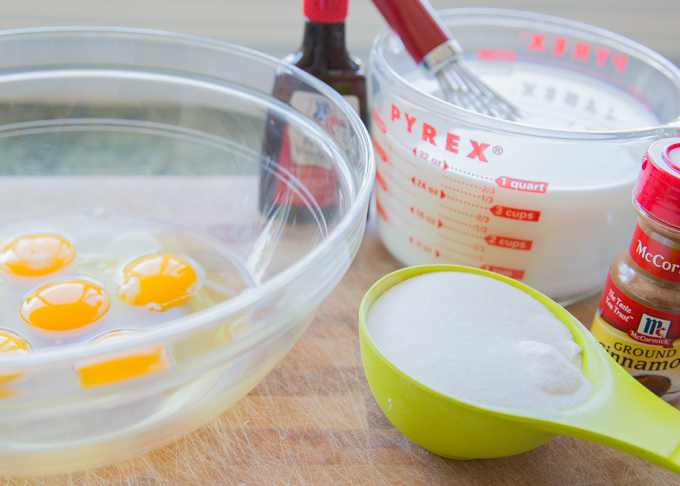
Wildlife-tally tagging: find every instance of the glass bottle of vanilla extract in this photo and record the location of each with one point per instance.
(324, 53)
(638, 319)
(291, 157)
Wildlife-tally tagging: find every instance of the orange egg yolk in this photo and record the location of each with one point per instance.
(36, 255)
(11, 343)
(65, 305)
(145, 361)
(158, 282)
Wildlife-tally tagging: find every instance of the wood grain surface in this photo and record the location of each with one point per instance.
(313, 421)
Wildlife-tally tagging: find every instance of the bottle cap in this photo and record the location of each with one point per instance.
(326, 11)
(658, 187)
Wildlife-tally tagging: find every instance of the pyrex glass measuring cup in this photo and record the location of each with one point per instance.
(620, 413)
(545, 200)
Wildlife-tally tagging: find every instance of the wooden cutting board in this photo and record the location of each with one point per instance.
(313, 421)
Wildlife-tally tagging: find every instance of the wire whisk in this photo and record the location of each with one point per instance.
(430, 44)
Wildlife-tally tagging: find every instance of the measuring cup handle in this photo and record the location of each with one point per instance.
(630, 418)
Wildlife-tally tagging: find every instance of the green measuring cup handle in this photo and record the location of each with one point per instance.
(622, 413)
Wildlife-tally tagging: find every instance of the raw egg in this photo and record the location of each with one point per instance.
(65, 305)
(11, 344)
(36, 255)
(158, 282)
(142, 362)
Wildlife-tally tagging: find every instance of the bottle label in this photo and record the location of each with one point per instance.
(660, 258)
(640, 338)
(303, 150)
(305, 159)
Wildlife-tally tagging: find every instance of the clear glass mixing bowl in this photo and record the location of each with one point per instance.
(546, 199)
(129, 140)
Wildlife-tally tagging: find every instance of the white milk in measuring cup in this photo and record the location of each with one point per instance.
(547, 200)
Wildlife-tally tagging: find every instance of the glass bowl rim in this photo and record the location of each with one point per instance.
(240, 303)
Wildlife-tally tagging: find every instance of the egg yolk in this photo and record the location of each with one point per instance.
(145, 361)
(65, 305)
(158, 282)
(11, 343)
(36, 255)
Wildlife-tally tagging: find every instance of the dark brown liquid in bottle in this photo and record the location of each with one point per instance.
(324, 55)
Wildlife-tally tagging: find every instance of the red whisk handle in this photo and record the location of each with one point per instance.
(416, 22)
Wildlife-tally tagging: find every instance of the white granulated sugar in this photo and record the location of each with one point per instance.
(478, 339)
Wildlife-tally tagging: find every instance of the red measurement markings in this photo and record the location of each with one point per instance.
(411, 163)
(478, 247)
(522, 185)
(473, 257)
(515, 213)
(425, 247)
(386, 198)
(398, 229)
(379, 121)
(396, 163)
(508, 272)
(483, 197)
(395, 182)
(444, 166)
(444, 195)
(422, 155)
(471, 174)
(400, 147)
(396, 224)
(477, 227)
(381, 210)
(399, 171)
(481, 187)
(469, 215)
(380, 180)
(466, 233)
(480, 218)
(511, 243)
(421, 214)
(380, 151)
(641, 95)
(421, 184)
(401, 203)
(496, 54)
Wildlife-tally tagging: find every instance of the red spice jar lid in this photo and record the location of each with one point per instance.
(326, 11)
(658, 187)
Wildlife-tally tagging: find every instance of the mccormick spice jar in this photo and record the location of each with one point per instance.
(638, 320)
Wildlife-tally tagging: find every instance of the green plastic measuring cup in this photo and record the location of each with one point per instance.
(621, 413)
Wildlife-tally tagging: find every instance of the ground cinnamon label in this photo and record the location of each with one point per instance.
(638, 319)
